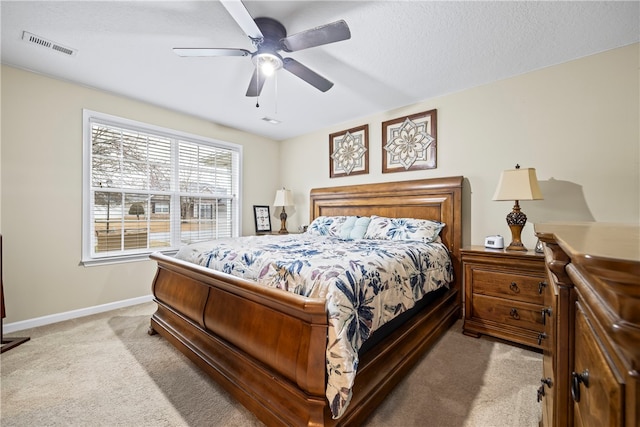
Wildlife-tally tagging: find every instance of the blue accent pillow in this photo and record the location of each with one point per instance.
(354, 227)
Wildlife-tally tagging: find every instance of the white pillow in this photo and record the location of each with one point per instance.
(403, 229)
(326, 226)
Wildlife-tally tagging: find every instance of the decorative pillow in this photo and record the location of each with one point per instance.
(354, 227)
(403, 229)
(326, 226)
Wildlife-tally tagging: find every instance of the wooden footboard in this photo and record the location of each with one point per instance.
(264, 347)
(267, 347)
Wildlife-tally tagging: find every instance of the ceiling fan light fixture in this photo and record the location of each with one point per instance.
(267, 62)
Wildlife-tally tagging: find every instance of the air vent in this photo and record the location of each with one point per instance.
(270, 120)
(41, 41)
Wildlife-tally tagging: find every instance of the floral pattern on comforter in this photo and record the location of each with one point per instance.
(365, 282)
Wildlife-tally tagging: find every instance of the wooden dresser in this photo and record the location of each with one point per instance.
(504, 294)
(591, 359)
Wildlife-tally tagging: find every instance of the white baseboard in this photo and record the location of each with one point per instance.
(74, 314)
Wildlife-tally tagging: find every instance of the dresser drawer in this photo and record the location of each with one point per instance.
(598, 393)
(508, 312)
(516, 287)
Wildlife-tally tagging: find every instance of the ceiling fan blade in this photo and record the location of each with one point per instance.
(241, 15)
(196, 51)
(306, 74)
(255, 86)
(325, 34)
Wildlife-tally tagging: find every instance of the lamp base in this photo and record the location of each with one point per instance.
(516, 243)
(516, 246)
(283, 222)
(516, 221)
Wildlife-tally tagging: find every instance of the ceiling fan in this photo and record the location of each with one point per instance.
(269, 37)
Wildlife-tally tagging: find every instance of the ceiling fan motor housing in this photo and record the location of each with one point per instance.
(273, 31)
(266, 56)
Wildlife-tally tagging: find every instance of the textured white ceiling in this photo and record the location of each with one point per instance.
(400, 52)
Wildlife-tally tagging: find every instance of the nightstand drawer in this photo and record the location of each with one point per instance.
(507, 312)
(517, 287)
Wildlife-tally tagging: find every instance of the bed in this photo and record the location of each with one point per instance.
(268, 347)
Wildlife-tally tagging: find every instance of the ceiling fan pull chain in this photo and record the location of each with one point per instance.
(258, 85)
(276, 83)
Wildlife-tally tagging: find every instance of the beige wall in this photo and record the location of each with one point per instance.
(577, 123)
(41, 197)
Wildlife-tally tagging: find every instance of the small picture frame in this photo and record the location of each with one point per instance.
(349, 152)
(262, 218)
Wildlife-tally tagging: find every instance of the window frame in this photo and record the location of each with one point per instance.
(89, 257)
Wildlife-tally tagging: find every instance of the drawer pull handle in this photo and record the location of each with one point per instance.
(575, 384)
(514, 287)
(541, 286)
(547, 381)
(541, 336)
(514, 313)
(545, 312)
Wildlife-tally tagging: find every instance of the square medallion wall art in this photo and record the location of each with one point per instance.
(349, 152)
(409, 143)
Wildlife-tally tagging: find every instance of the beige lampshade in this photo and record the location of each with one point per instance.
(518, 184)
(283, 198)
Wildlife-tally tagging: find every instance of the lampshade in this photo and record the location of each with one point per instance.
(518, 184)
(283, 198)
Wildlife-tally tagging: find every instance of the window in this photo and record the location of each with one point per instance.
(148, 189)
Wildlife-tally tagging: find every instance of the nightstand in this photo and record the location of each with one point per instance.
(276, 233)
(504, 294)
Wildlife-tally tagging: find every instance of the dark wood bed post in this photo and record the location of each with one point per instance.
(9, 343)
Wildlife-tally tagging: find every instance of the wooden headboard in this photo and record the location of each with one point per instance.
(438, 199)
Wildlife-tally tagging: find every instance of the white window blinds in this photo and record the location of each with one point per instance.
(153, 189)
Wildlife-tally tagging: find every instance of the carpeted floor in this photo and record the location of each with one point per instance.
(104, 370)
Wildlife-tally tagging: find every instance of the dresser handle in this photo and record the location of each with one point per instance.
(541, 286)
(546, 312)
(541, 336)
(575, 384)
(514, 287)
(514, 313)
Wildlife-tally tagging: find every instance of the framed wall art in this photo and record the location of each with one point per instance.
(262, 218)
(409, 143)
(349, 152)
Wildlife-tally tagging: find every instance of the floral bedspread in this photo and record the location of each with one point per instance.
(365, 283)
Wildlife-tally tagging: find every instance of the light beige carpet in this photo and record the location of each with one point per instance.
(104, 370)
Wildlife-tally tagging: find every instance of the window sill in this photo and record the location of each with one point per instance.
(119, 259)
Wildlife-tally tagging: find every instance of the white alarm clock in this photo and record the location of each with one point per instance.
(494, 242)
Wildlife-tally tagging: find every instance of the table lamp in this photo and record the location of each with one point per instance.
(517, 184)
(284, 198)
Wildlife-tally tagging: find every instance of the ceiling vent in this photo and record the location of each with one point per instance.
(270, 120)
(40, 41)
